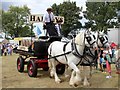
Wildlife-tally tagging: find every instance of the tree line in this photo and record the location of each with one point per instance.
(100, 16)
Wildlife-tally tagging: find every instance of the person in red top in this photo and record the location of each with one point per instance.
(113, 45)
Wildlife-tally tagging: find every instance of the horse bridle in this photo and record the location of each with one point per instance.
(74, 48)
(89, 39)
(101, 38)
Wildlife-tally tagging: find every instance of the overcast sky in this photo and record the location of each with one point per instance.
(38, 6)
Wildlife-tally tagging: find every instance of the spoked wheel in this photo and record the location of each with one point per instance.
(60, 68)
(32, 68)
(20, 64)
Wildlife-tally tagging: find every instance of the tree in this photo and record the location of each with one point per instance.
(118, 10)
(14, 21)
(101, 14)
(71, 16)
(0, 19)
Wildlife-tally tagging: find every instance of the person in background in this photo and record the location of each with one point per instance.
(2, 49)
(118, 66)
(48, 24)
(107, 59)
(117, 60)
(101, 59)
(5, 51)
(10, 50)
(58, 28)
(104, 64)
(113, 45)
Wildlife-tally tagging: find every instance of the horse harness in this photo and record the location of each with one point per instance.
(74, 51)
(102, 39)
(89, 39)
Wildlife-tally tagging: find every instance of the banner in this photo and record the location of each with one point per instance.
(39, 18)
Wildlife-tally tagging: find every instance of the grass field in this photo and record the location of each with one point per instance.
(11, 78)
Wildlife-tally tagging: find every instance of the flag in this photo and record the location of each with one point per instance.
(37, 31)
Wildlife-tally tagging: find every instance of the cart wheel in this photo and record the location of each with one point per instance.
(46, 69)
(60, 68)
(20, 64)
(32, 69)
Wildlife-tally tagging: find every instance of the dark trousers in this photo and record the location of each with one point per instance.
(51, 30)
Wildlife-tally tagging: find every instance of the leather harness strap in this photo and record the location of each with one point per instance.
(74, 50)
(64, 48)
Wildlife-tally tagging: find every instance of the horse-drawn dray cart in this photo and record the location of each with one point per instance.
(37, 55)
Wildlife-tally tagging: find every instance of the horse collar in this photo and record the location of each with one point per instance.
(74, 50)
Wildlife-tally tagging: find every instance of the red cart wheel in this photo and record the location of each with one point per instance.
(20, 64)
(32, 69)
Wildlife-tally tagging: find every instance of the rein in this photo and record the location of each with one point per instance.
(89, 54)
(74, 51)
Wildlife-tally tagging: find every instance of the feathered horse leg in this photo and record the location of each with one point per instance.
(75, 76)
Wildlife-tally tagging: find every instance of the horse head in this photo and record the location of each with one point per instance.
(90, 39)
(102, 39)
(86, 38)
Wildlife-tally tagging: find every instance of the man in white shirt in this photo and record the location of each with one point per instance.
(48, 20)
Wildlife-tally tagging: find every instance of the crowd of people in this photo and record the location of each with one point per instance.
(6, 49)
(106, 57)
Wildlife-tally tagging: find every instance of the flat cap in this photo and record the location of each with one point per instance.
(49, 9)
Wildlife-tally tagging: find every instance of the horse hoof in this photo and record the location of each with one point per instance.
(86, 84)
(51, 77)
(59, 81)
(75, 85)
(71, 84)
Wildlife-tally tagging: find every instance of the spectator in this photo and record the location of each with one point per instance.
(107, 61)
(10, 50)
(113, 45)
(104, 65)
(5, 52)
(2, 49)
(118, 66)
(117, 58)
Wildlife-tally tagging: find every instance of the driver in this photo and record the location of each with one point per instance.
(48, 20)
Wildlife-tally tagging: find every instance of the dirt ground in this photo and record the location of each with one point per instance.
(11, 78)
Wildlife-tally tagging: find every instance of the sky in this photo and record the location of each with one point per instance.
(38, 6)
